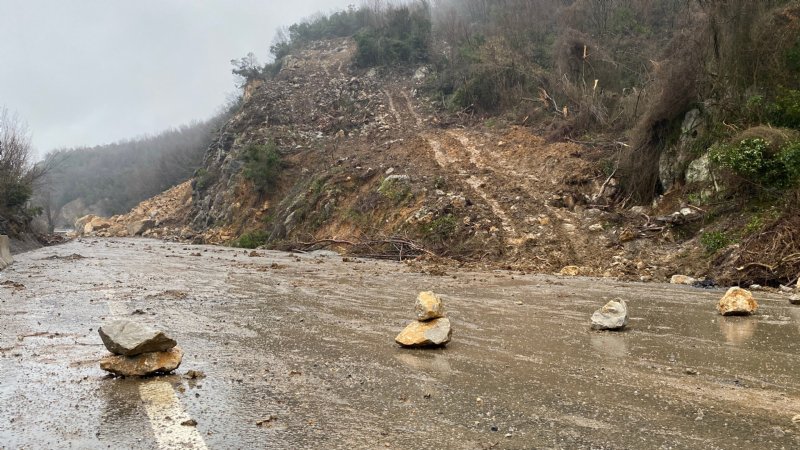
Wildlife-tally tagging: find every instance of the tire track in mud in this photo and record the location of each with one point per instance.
(477, 183)
(402, 109)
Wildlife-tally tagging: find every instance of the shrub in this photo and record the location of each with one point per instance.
(251, 240)
(789, 158)
(262, 165)
(395, 188)
(403, 38)
(785, 110)
(203, 179)
(757, 161)
(714, 241)
(16, 194)
(440, 229)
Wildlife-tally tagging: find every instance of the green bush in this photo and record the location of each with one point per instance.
(16, 194)
(262, 165)
(785, 110)
(203, 179)
(440, 229)
(251, 240)
(404, 37)
(789, 158)
(754, 160)
(714, 241)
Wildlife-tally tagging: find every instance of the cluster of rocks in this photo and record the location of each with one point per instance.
(138, 350)
(5, 252)
(614, 315)
(148, 219)
(431, 328)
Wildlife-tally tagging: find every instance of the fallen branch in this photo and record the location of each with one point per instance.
(402, 247)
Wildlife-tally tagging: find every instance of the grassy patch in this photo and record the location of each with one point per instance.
(714, 241)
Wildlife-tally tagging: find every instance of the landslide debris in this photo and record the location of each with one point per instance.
(368, 167)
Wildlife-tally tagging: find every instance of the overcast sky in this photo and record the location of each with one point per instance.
(88, 72)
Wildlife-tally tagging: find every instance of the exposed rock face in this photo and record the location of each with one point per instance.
(436, 332)
(144, 364)
(429, 306)
(683, 279)
(612, 316)
(5, 252)
(139, 227)
(737, 302)
(123, 337)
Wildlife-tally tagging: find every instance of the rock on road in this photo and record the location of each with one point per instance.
(298, 352)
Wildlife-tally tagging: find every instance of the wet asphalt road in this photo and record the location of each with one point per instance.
(303, 345)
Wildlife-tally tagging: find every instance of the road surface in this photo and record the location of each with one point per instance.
(298, 352)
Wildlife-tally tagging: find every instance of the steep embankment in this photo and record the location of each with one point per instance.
(367, 166)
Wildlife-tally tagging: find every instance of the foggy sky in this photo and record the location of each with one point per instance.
(88, 72)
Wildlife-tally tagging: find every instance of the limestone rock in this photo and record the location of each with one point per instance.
(570, 271)
(429, 306)
(432, 333)
(139, 227)
(795, 299)
(144, 364)
(80, 224)
(124, 337)
(683, 279)
(612, 316)
(98, 223)
(5, 252)
(737, 302)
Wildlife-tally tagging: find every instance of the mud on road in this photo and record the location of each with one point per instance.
(298, 352)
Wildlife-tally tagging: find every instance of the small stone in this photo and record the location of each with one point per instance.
(143, 364)
(755, 287)
(737, 302)
(795, 299)
(429, 306)
(189, 423)
(683, 279)
(570, 271)
(266, 421)
(796, 418)
(596, 227)
(612, 316)
(433, 333)
(124, 337)
(690, 371)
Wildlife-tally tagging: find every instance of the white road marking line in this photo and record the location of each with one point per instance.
(166, 414)
(161, 402)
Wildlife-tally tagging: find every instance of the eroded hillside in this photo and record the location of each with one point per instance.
(367, 166)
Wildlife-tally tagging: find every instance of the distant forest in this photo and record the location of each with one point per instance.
(111, 179)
